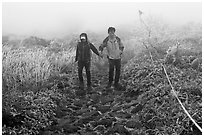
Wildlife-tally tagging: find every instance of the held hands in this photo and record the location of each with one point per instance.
(100, 55)
(75, 62)
(121, 54)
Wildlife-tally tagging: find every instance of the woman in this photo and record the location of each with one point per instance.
(83, 56)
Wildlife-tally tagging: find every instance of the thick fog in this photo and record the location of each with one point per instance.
(60, 19)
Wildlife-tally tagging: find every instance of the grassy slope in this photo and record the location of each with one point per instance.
(146, 106)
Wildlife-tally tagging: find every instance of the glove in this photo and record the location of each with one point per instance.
(100, 55)
(121, 53)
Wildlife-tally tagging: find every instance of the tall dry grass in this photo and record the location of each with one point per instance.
(62, 60)
(24, 66)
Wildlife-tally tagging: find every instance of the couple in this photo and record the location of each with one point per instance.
(114, 48)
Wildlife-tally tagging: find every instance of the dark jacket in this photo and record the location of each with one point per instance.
(83, 51)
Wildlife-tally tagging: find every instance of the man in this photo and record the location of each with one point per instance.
(83, 56)
(114, 48)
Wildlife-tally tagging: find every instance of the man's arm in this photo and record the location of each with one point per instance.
(93, 48)
(121, 47)
(77, 54)
(104, 44)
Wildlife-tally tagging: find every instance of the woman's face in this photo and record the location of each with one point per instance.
(83, 38)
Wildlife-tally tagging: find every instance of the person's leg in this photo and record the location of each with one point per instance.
(117, 72)
(111, 70)
(88, 73)
(80, 69)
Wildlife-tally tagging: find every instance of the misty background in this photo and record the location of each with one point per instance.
(58, 20)
(40, 92)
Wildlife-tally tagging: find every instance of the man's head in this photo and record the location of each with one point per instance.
(83, 37)
(111, 31)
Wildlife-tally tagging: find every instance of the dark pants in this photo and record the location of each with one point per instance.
(81, 65)
(114, 64)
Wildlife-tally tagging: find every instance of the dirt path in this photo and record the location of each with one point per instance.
(144, 107)
(100, 111)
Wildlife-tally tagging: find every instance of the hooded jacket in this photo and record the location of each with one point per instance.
(83, 51)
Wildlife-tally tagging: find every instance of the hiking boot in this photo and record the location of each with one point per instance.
(81, 86)
(118, 86)
(89, 88)
(109, 85)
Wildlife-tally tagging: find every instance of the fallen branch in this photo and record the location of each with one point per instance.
(180, 101)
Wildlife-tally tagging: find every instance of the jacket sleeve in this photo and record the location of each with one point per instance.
(121, 47)
(77, 53)
(93, 48)
(104, 44)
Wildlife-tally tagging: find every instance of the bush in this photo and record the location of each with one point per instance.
(25, 66)
(29, 87)
(62, 61)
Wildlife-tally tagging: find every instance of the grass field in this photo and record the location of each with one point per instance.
(40, 92)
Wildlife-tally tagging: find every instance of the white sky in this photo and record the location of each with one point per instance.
(61, 18)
